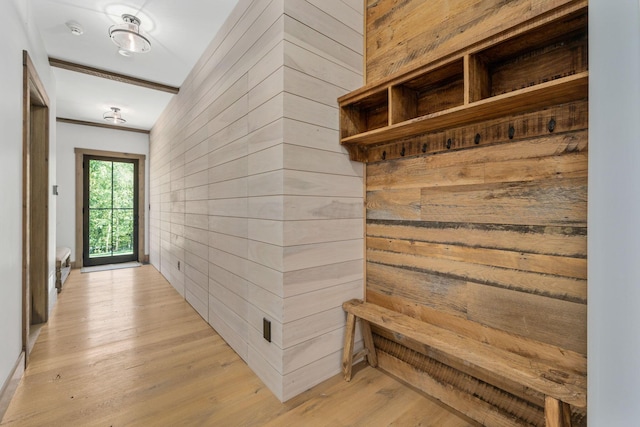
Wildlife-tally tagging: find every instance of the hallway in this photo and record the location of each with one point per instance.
(123, 348)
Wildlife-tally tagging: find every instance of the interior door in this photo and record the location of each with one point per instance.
(110, 210)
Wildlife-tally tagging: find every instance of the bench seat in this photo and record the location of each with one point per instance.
(63, 266)
(561, 386)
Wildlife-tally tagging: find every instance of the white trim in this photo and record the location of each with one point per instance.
(11, 385)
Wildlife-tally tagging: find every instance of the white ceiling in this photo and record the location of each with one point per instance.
(179, 30)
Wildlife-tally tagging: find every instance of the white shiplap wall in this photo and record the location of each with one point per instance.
(252, 194)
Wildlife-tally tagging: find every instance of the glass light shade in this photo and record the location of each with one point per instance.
(129, 36)
(114, 116)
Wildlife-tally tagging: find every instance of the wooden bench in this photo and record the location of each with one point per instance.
(63, 266)
(560, 386)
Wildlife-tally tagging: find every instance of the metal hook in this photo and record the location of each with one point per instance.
(552, 125)
(424, 148)
(477, 139)
(448, 143)
(512, 131)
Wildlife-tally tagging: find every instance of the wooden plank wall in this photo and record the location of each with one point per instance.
(495, 234)
(491, 238)
(251, 193)
(323, 224)
(434, 29)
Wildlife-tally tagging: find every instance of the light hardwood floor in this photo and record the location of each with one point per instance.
(123, 348)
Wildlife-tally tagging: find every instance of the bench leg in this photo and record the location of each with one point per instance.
(59, 279)
(347, 354)
(556, 413)
(368, 343)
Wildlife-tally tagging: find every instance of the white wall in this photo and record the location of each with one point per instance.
(614, 213)
(322, 220)
(72, 136)
(252, 194)
(18, 33)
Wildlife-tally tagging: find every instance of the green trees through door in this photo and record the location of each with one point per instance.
(110, 210)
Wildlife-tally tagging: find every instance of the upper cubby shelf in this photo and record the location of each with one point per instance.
(533, 68)
(559, 91)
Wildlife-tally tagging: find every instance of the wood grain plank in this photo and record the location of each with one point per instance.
(570, 117)
(347, 352)
(556, 322)
(546, 379)
(555, 155)
(403, 104)
(550, 202)
(558, 241)
(465, 403)
(497, 390)
(562, 266)
(445, 294)
(554, 287)
(523, 346)
(548, 59)
(425, 33)
(325, 21)
(109, 75)
(402, 204)
(556, 413)
(477, 79)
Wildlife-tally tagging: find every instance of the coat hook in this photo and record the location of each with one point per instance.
(384, 155)
(448, 143)
(424, 148)
(552, 125)
(402, 151)
(512, 131)
(477, 139)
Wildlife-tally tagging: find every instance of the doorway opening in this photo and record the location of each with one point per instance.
(35, 206)
(110, 213)
(110, 208)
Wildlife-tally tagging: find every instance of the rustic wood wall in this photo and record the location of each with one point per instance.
(490, 238)
(404, 34)
(495, 234)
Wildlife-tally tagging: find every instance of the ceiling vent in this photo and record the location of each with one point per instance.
(75, 28)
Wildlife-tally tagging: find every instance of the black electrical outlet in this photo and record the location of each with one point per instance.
(266, 329)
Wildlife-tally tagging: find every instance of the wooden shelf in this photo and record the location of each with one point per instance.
(559, 91)
(533, 69)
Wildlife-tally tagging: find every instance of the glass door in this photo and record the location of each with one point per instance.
(110, 210)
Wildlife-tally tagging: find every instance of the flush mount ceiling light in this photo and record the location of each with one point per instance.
(129, 36)
(114, 116)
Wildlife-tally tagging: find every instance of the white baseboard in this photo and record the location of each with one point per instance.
(11, 384)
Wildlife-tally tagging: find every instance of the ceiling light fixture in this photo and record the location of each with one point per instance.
(75, 28)
(114, 116)
(129, 36)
